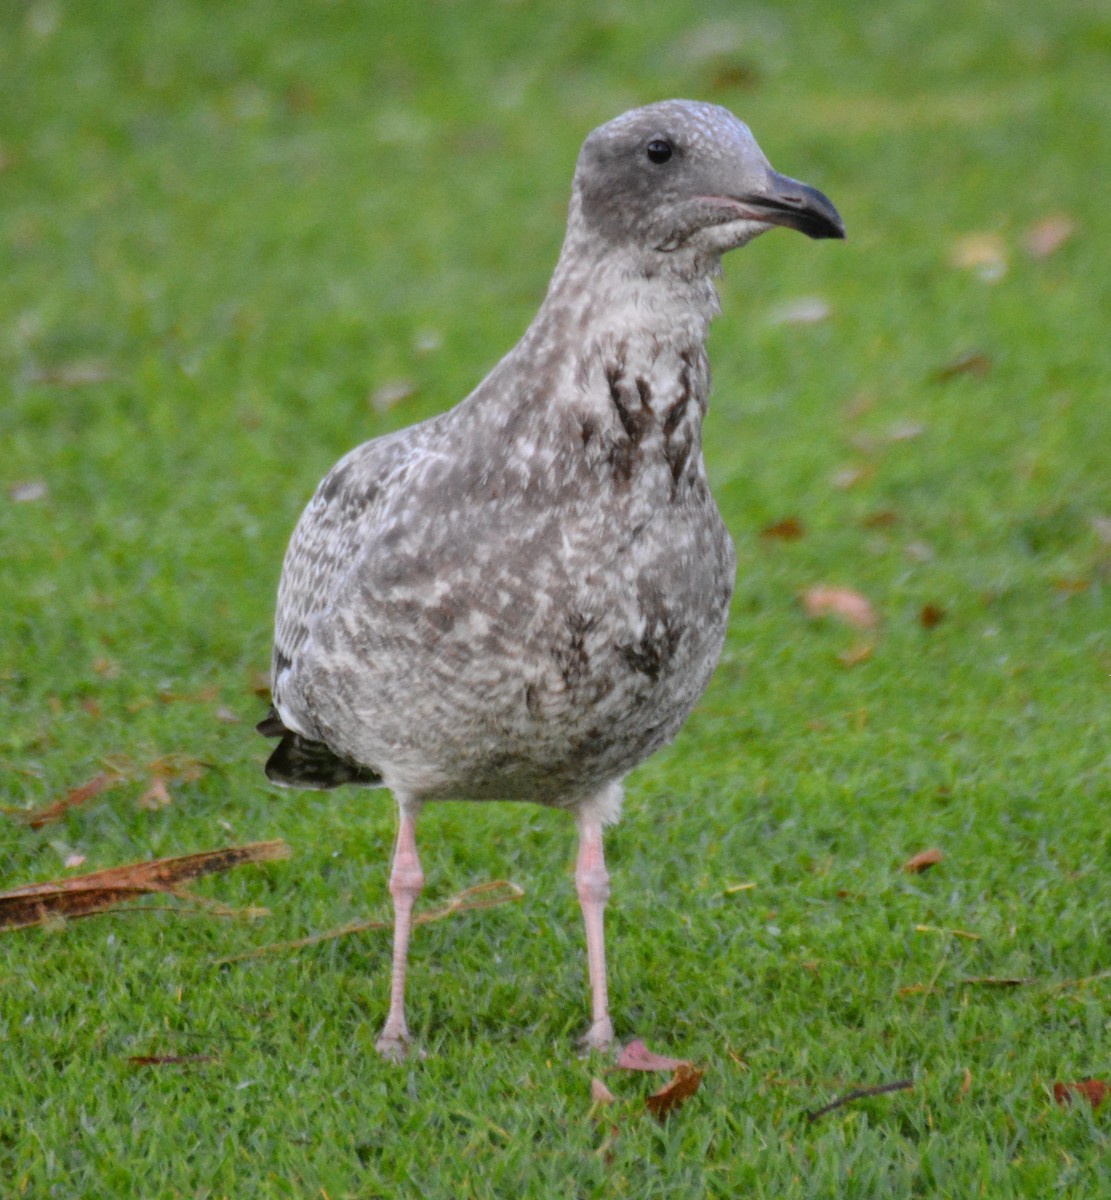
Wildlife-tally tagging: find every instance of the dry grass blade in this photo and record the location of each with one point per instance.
(83, 895)
(483, 895)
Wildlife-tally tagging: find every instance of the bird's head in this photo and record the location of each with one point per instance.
(687, 181)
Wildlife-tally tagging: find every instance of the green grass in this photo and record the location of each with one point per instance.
(235, 223)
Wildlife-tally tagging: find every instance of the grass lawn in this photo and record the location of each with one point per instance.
(231, 237)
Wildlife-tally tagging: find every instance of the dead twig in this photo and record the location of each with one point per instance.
(482, 895)
(880, 1089)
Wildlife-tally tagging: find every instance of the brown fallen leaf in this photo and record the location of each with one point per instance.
(840, 602)
(1045, 237)
(984, 253)
(855, 655)
(923, 861)
(676, 1092)
(790, 529)
(637, 1057)
(83, 895)
(883, 519)
(74, 798)
(601, 1094)
(1093, 1090)
(931, 616)
(972, 362)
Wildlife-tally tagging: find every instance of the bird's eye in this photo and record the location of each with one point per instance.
(658, 150)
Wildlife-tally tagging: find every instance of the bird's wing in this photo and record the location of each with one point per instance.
(347, 509)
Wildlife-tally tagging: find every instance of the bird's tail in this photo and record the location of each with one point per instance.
(299, 762)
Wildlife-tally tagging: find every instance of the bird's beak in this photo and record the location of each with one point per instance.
(787, 202)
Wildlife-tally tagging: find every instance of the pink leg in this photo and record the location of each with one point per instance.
(406, 881)
(593, 885)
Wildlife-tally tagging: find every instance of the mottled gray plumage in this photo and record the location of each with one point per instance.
(524, 597)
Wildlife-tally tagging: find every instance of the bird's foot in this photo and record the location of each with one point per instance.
(392, 1047)
(393, 1041)
(599, 1037)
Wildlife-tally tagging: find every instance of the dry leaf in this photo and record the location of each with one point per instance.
(1045, 237)
(74, 374)
(931, 616)
(984, 253)
(806, 310)
(847, 477)
(637, 1057)
(972, 362)
(904, 431)
(83, 895)
(855, 655)
(843, 603)
(919, 552)
(883, 519)
(790, 529)
(676, 1092)
(1093, 1090)
(27, 491)
(178, 768)
(156, 796)
(383, 398)
(38, 817)
(601, 1094)
(923, 861)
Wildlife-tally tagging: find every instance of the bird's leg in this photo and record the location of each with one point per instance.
(592, 882)
(406, 881)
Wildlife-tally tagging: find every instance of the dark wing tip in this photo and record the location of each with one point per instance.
(300, 762)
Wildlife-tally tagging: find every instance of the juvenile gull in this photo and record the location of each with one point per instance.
(524, 597)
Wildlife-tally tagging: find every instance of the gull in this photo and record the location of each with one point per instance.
(524, 597)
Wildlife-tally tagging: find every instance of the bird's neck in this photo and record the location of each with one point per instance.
(598, 290)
